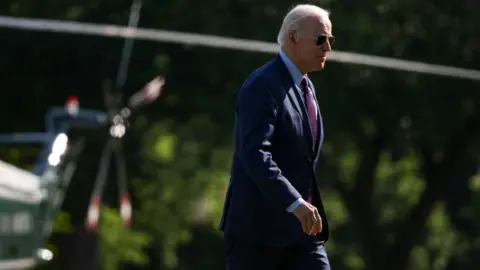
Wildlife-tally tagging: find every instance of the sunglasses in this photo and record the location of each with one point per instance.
(321, 39)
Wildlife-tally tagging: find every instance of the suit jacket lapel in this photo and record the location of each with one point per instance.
(293, 98)
(304, 113)
(296, 99)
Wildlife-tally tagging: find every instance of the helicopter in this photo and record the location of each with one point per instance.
(29, 200)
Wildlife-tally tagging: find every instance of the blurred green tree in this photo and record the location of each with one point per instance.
(401, 148)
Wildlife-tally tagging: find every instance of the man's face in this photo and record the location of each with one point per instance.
(313, 42)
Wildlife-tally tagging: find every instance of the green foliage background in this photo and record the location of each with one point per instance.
(399, 166)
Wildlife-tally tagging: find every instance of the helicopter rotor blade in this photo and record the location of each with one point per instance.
(124, 196)
(128, 45)
(149, 93)
(94, 206)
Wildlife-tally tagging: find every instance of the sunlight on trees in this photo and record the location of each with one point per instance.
(474, 183)
(187, 183)
(398, 187)
(119, 244)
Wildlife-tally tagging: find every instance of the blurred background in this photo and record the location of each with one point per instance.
(398, 171)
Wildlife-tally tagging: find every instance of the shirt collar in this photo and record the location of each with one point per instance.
(293, 70)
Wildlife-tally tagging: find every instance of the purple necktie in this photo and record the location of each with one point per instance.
(311, 109)
(312, 117)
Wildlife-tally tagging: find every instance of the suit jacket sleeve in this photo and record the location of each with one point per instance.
(256, 117)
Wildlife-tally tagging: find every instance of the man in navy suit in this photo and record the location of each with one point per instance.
(273, 214)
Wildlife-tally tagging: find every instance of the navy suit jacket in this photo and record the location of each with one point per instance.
(274, 160)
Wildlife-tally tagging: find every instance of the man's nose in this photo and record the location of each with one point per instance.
(326, 47)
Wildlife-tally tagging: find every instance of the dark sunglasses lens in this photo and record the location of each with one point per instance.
(331, 40)
(323, 38)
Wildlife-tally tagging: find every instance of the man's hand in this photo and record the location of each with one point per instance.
(309, 218)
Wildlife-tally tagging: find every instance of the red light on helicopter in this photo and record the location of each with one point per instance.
(72, 99)
(72, 105)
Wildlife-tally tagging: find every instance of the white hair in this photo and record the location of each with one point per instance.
(295, 16)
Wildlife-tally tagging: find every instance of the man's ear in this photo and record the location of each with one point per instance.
(293, 37)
